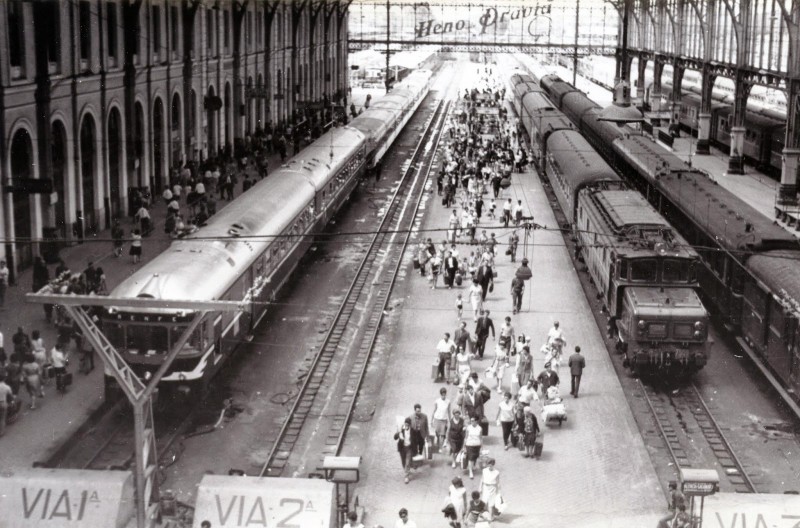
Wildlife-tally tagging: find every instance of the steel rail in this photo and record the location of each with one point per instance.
(303, 403)
(373, 338)
(712, 433)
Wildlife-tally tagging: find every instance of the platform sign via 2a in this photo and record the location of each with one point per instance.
(250, 502)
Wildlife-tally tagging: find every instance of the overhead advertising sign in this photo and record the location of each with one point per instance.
(464, 25)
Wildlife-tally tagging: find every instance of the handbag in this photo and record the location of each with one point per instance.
(491, 287)
(508, 251)
(499, 505)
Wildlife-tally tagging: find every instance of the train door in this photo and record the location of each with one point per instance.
(611, 289)
(778, 350)
(215, 337)
(793, 348)
(754, 315)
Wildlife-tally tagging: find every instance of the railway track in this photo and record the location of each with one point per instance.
(109, 443)
(682, 412)
(329, 392)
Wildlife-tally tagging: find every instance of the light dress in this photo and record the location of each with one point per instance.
(490, 485)
(458, 497)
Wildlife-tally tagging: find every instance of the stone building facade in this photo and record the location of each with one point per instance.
(99, 96)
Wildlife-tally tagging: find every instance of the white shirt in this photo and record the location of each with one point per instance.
(527, 395)
(408, 524)
(441, 409)
(507, 206)
(58, 358)
(200, 188)
(445, 346)
(555, 333)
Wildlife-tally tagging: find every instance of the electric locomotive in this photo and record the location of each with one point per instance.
(749, 276)
(249, 249)
(644, 272)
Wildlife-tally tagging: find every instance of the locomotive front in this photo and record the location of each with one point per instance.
(663, 331)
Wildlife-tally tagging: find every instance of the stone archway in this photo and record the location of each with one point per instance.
(139, 146)
(228, 109)
(175, 130)
(88, 150)
(115, 163)
(211, 123)
(59, 157)
(21, 159)
(157, 179)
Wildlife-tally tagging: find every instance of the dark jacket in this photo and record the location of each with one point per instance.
(576, 364)
(484, 275)
(483, 325)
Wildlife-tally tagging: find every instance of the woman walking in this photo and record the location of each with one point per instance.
(505, 418)
(455, 435)
(473, 441)
(531, 431)
(490, 487)
(476, 299)
(32, 374)
(463, 365)
(458, 498)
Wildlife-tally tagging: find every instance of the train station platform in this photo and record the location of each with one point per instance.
(595, 470)
(36, 434)
(757, 189)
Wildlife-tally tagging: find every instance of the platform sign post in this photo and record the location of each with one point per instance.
(698, 483)
(138, 391)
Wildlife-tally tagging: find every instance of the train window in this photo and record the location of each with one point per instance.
(144, 338)
(657, 330)
(644, 270)
(115, 332)
(675, 270)
(683, 330)
(623, 269)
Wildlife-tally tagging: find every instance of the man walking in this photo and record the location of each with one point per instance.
(461, 338)
(517, 289)
(576, 365)
(419, 429)
(482, 328)
(445, 349)
(484, 276)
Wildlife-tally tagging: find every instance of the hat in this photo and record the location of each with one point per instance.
(547, 365)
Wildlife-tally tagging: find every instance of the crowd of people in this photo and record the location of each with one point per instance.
(479, 160)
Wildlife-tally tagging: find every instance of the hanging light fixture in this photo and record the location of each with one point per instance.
(621, 111)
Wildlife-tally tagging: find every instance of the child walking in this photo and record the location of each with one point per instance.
(459, 306)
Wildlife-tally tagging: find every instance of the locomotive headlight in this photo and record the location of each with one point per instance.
(698, 334)
(642, 324)
(698, 326)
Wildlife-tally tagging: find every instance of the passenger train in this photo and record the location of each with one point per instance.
(248, 250)
(765, 119)
(645, 273)
(751, 271)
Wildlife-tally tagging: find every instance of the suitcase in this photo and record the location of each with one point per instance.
(464, 462)
(433, 446)
(416, 263)
(459, 279)
(484, 426)
(66, 379)
(435, 370)
(537, 448)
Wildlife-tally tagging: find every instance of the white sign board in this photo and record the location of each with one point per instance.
(65, 498)
(745, 510)
(251, 502)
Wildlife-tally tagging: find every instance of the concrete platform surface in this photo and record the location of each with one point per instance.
(595, 470)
